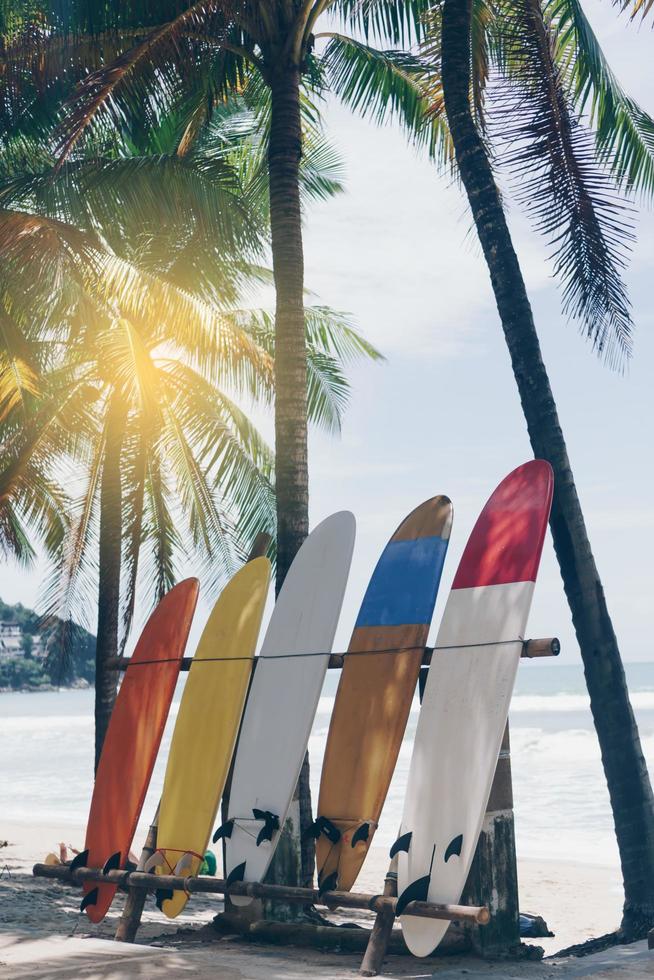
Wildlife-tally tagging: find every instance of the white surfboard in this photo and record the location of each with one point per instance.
(466, 699)
(284, 697)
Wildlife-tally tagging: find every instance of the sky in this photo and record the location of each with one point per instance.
(441, 414)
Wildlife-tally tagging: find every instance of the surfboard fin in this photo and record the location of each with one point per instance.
(236, 874)
(453, 848)
(422, 682)
(79, 861)
(401, 844)
(417, 891)
(153, 862)
(112, 863)
(185, 863)
(328, 884)
(321, 825)
(362, 834)
(163, 895)
(89, 899)
(225, 830)
(270, 824)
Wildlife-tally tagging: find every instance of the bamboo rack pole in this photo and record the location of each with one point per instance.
(335, 899)
(130, 919)
(382, 928)
(531, 649)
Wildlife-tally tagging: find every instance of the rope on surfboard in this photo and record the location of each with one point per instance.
(411, 648)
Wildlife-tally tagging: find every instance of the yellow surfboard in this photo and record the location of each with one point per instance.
(206, 729)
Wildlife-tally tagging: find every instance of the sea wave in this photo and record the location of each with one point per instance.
(536, 703)
(34, 725)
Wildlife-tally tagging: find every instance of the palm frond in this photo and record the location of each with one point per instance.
(384, 20)
(134, 464)
(382, 85)
(19, 367)
(205, 334)
(233, 459)
(636, 8)
(151, 71)
(572, 200)
(624, 131)
(332, 342)
(160, 531)
(332, 331)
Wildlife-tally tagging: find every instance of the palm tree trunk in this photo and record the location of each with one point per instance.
(622, 757)
(291, 470)
(293, 862)
(106, 681)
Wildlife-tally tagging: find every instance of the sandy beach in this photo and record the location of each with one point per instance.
(560, 834)
(42, 933)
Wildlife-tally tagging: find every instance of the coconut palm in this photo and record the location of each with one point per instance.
(139, 357)
(150, 357)
(193, 59)
(551, 67)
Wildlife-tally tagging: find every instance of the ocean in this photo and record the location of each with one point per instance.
(561, 803)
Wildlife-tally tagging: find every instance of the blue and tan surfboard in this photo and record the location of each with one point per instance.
(374, 695)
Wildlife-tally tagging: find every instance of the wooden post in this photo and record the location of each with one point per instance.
(493, 876)
(382, 929)
(130, 920)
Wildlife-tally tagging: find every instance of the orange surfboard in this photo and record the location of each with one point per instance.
(132, 740)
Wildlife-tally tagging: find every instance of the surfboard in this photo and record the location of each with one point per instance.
(466, 698)
(132, 741)
(283, 699)
(374, 695)
(206, 729)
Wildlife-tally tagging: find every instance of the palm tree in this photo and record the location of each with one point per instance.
(161, 443)
(575, 206)
(195, 59)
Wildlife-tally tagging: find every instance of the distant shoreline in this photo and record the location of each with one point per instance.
(80, 684)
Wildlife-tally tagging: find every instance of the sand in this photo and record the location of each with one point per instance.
(43, 935)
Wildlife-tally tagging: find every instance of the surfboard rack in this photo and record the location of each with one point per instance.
(531, 649)
(283, 893)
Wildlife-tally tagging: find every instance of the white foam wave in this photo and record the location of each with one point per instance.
(33, 725)
(535, 703)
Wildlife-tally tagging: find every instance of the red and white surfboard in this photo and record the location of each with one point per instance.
(466, 699)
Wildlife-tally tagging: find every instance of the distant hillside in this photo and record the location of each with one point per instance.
(34, 655)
